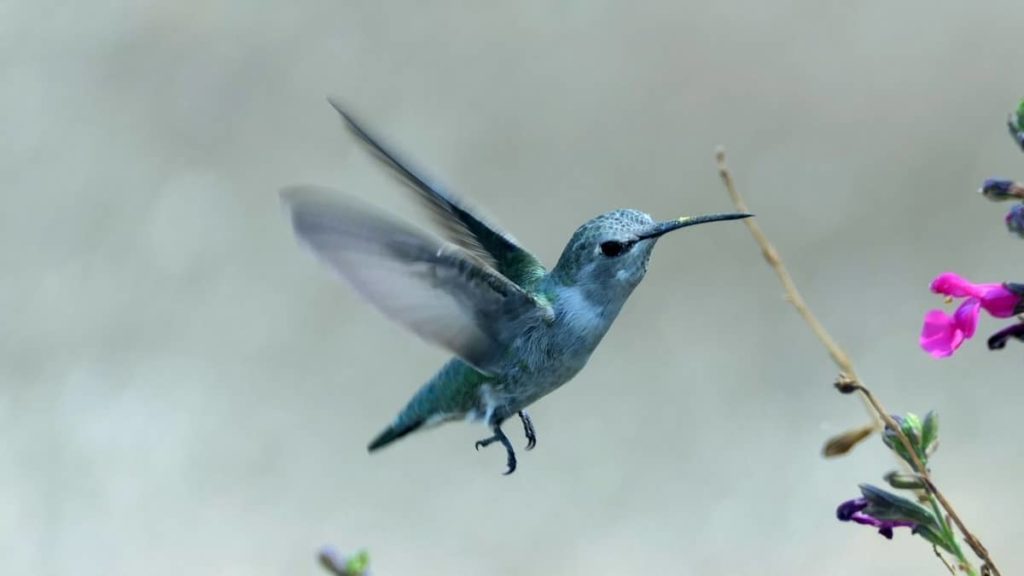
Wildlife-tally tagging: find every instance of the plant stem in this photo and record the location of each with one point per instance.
(948, 533)
(848, 379)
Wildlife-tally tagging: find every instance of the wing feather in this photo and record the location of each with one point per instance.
(433, 288)
(485, 240)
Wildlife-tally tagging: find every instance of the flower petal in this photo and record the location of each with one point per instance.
(940, 335)
(847, 510)
(999, 301)
(966, 316)
(995, 297)
(951, 284)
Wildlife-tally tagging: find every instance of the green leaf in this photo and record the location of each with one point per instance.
(914, 429)
(359, 563)
(1016, 125)
(930, 433)
(935, 538)
(891, 438)
(911, 426)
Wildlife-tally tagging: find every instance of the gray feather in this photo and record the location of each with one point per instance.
(434, 288)
(484, 240)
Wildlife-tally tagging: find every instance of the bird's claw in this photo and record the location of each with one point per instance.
(531, 433)
(499, 436)
(511, 466)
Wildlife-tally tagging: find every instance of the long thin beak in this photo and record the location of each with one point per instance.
(659, 228)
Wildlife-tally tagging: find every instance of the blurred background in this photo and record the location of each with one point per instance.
(184, 390)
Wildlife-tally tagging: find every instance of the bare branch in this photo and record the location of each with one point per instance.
(848, 381)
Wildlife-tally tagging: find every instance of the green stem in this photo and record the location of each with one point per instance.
(950, 536)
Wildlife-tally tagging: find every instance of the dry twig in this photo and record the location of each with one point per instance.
(848, 380)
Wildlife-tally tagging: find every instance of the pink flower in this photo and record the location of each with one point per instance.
(942, 334)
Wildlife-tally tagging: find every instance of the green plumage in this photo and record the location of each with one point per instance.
(450, 394)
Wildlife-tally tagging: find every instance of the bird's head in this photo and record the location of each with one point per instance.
(609, 254)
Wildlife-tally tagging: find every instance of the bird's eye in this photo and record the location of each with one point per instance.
(613, 248)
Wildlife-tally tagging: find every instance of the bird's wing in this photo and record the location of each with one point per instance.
(432, 287)
(488, 242)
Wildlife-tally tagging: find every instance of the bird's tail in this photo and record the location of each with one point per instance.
(393, 432)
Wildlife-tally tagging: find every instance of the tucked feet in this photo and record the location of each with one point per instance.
(531, 434)
(499, 436)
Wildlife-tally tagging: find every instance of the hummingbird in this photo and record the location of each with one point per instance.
(517, 330)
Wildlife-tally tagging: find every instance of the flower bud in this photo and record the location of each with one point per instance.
(904, 481)
(843, 443)
(996, 189)
(1015, 220)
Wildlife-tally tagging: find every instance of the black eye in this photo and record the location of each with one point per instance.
(613, 248)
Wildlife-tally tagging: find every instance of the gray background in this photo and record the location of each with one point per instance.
(184, 391)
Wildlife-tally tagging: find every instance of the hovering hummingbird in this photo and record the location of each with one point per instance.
(518, 330)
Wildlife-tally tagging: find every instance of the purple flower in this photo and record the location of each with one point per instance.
(855, 511)
(942, 334)
(998, 340)
(996, 189)
(886, 511)
(1015, 220)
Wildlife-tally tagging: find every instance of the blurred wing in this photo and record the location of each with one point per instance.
(494, 246)
(433, 288)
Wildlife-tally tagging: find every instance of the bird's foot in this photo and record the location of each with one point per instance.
(499, 436)
(531, 434)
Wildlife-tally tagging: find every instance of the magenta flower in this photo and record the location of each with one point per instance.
(942, 334)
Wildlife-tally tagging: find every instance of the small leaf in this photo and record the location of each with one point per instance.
(935, 538)
(911, 426)
(359, 563)
(1016, 125)
(843, 443)
(930, 433)
(892, 441)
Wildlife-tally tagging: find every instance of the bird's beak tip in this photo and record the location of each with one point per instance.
(684, 221)
(733, 216)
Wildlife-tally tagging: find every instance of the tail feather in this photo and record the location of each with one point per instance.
(392, 433)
